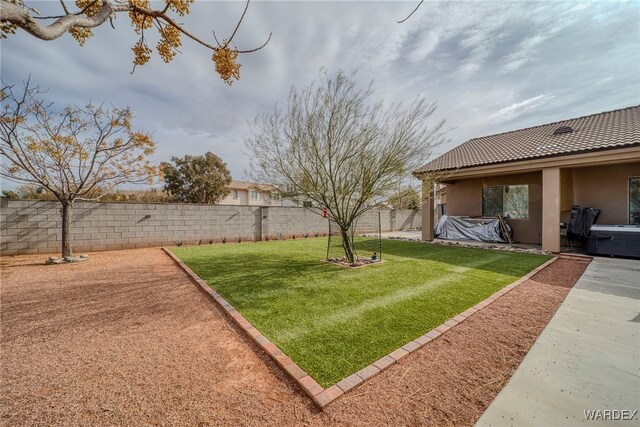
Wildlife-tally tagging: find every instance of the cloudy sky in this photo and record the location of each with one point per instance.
(491, 66)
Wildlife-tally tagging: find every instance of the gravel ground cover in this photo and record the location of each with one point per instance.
(127, 339)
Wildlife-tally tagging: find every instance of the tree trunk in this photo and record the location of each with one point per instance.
(346, 245)
(66, 226)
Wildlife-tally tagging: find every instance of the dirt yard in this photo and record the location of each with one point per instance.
(127, 339)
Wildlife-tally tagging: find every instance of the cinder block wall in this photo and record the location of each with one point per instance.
(407, 219)
(33, 226)
(368, 222)
(288, 221)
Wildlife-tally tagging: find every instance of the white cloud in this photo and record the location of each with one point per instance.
(519, 108)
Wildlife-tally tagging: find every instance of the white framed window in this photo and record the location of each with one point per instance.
(508, 200)
(634, 200)
(253, 194)
(235, 194)
(275, 196)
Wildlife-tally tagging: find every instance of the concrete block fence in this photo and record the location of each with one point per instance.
(34, 226)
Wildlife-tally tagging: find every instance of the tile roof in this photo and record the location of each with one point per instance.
(602, 131)
(244, 185)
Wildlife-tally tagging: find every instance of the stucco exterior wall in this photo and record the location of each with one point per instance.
(605, 188)
(464, 198)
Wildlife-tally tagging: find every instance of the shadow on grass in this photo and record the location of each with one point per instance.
(260, 271)
(274, 266)
(508, 262)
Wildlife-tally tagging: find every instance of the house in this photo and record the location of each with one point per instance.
(253, 194)
(535, 175)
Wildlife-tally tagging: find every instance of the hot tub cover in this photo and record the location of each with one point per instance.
(460, 228)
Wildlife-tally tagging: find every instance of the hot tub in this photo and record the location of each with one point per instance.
(614, 240)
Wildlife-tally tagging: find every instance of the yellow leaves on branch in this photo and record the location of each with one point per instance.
(224, 57)
(81, 34)
(90, 144)
(89, 7)
(151, 172)
(33, 146)
(181, 7)
(138, 20)
(169, 35)
(141, 53)
(226, 61)
(12, 120)
(169, 42)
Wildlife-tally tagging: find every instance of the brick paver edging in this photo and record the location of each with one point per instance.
(321, 396)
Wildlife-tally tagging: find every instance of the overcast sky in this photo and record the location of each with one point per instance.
(492, 66)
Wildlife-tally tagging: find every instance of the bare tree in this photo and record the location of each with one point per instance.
(70, 152)
(79, 19)
(332, 145)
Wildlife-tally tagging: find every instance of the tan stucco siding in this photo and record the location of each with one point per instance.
(464, 198)
(605, 188)
(242, 198)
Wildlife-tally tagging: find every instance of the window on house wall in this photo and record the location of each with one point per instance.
(235, 194)
(253, 194)
(508, 200)
(634, 200)
(275, 196)
(492, 201)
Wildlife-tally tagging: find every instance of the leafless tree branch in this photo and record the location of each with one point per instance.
(332, 145)
(412, 12)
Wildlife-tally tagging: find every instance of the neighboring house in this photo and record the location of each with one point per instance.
(535, 175)
(250, 193)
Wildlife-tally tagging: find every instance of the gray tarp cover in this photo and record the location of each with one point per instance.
(458, 228)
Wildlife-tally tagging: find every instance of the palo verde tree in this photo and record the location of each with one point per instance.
(196, 179)
(80, 16)
(72, 151)
(334, 145)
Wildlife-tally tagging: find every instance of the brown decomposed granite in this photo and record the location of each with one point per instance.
(127, 339)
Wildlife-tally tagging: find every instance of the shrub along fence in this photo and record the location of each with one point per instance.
(34, 226)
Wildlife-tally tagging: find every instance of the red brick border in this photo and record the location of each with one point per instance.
(321, 396)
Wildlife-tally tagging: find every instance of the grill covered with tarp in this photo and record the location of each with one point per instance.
(463, 228)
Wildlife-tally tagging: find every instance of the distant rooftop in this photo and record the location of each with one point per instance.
(602, 131)
(245, 185)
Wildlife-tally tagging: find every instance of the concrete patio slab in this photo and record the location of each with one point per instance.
(587, 358)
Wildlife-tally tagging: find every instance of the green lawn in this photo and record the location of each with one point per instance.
(334, 321)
